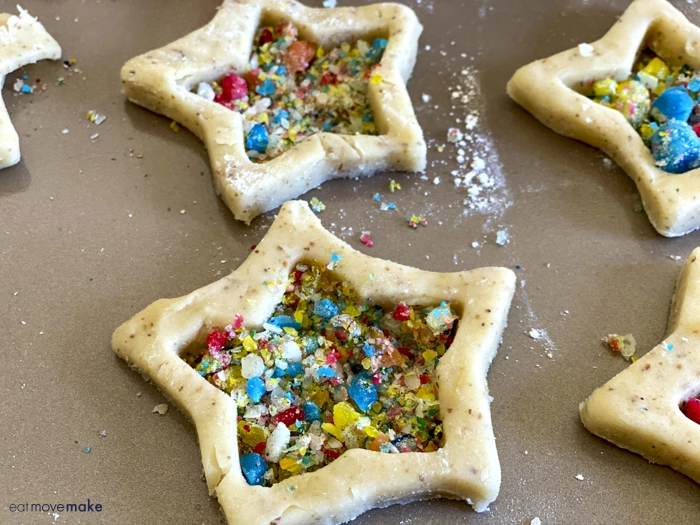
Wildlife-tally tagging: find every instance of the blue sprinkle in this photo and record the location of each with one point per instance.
(26, 88)
(377, 197)
(378, 47)
(255, 388)
(363, 391)
(257, 138)
(311, 411)
(278, 372)
(281, 321)
(324, 371)
(694, 85)
(326, 126)
(253, 467)
(335, 257)
(325, 308)
(391, 206)
(517, 267)
(88, 449)
(266, 88)
(294, 369)
(281, 70)
(672, 104)
(368, 349)
(25, 77)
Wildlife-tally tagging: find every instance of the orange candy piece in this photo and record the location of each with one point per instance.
(299, 56)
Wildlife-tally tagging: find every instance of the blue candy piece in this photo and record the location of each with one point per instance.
(311, 411)
(278, 372)
(281, 321)
(281, 70)
(26, 88)
(676, 147)
(694, 85)
(377, 49)
(310, 344)
(266, 88)
(253, 467)
(368, 349)
(257, 138)
(324, 371)
(281, 114)
(672, 104)
(326, 308)
(363, 391)
(294, 369)
(255, 388)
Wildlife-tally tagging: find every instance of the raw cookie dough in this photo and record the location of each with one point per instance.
(466, 467)
(639, 408)
(23, 40)
(162, 81)
(547, 89)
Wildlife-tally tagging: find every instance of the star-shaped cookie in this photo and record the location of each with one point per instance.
(162, 81)
(466, 467)
(639, 408)
(23, 40)
(547, 89)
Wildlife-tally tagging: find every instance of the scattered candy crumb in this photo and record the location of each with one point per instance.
(316, 205)
(625, 344)
(161, 409)
(365, 239)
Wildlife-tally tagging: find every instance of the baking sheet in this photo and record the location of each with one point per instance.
(91, 234)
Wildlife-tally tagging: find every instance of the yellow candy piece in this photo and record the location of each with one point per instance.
(249, 344)
(352, 310)
(604, 87)
(632, 100)
(429, 354)
(646, 131)
(289, 464)
(252, 436)
(291, 331)
(376, 78)
(344, 415)
(333, 431)
(371, 432)
(657, 68)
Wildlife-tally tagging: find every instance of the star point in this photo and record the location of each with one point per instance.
(162, 80)
(466, 466)
(547, 89)
(639, 409)
(23, 40)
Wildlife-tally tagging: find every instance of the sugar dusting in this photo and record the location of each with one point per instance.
(479, 172)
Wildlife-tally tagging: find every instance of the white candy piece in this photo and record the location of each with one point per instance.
(252, 366)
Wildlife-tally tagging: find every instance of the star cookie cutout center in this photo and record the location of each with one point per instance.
(162, 81)
(639, 409)
(466, 467)
(547, 89)
(23, 40)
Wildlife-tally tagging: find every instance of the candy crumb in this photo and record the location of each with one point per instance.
(625, 344)
(536, 521)
(161, 409)
(579, 477)
(585, 50)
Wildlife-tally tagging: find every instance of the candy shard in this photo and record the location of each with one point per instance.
(253, 467)
(672, 104)
(277, 442)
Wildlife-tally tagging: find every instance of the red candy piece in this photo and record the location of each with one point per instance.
(265, 37)
(696, 129)
(234, 87)
(237, 321)
(298, 56)
(290, 416)
(260, 447)
(692, 410)
(216, 340)
(332, 453)
(364, 238)
(402, 312)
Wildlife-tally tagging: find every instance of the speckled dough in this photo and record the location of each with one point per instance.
(544, 88)
(161, 81)
(639, 408)
(23, 40)
(466, 467)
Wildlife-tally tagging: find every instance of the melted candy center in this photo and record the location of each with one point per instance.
(329, 373)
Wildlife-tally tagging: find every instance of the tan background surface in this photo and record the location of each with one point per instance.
(89, 235)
